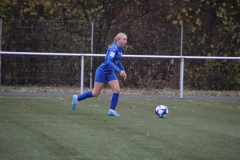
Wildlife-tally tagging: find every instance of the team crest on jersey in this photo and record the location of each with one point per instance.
(112, 54)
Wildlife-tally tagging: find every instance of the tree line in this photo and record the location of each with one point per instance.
(211, 28)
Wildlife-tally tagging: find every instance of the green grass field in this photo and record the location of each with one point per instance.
(47, 128)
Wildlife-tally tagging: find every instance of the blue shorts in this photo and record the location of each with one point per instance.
(101, 77)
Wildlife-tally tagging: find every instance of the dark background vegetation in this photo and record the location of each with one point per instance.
(211, 28)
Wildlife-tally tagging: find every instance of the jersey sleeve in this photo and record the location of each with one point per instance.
(109, 61)
(120, 66)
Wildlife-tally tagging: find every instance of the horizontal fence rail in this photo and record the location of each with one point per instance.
(127, 56)
(82, 55)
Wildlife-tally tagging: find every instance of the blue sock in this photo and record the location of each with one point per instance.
(85, 95)
(114, 101)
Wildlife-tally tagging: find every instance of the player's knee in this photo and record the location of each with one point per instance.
(116, 90)
(96, 93)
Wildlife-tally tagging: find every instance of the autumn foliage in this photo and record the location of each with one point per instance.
(210, 28)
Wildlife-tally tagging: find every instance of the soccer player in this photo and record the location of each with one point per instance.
(106, 73)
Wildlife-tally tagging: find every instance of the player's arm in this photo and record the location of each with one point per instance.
(120, 66)
(109, 61)
(123, 73)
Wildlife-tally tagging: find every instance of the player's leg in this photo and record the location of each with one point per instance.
(114, 84)
(97, 89)
(80, 97)
(94, 93)
(99, 80)
(98, 84)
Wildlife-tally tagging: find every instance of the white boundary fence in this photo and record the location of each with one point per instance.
(83, 55)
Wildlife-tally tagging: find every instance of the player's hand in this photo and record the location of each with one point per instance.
(123, 74)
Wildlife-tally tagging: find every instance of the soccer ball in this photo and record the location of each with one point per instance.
(161, 111)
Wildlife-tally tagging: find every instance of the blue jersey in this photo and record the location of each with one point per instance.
(113, 59)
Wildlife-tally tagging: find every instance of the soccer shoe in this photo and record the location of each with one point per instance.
(74, 102)
(113, 113)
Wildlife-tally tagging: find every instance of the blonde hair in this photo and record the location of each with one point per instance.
(118, 36)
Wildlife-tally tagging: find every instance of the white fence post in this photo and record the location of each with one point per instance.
(181, 77)
(0, 51)
(91, 76)
(181, 65)
(82, 74)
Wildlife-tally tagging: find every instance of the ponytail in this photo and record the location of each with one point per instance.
(114, 41)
